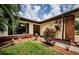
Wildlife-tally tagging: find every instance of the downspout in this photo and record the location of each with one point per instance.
(63, 28)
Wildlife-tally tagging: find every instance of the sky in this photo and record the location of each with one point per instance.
(40, 12)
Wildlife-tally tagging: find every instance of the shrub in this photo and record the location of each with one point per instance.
(49, 32)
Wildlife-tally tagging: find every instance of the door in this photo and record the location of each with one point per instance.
(36, 29)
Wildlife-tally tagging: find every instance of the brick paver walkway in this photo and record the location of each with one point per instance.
(64, 51)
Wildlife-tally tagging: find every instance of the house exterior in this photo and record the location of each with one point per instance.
(67, 25)
(39, 27)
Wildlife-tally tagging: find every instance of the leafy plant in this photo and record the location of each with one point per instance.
(9, 12)
(2, 26)
(49, 32)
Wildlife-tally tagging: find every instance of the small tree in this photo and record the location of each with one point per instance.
(2, 26)
(9, 11)
(49, 34)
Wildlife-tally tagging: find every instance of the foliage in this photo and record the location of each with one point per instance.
(9, 12)
(2, 26)
(28, 48)
(49, 32)
(77, 32)
(77, 25)
(57, 27)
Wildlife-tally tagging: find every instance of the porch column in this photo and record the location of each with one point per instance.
(30, 28)
(69, 27)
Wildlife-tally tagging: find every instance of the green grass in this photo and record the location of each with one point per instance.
(28, 48)
(77, 33)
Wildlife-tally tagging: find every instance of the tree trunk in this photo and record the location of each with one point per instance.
(13, 27)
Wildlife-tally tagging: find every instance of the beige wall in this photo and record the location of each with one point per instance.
(44, 26)
(30, 28)
(5, 33)
(50, 25)
(28, 22)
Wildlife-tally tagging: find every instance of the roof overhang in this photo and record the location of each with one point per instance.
(29, 20)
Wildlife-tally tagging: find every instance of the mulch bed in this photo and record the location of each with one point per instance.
(6, 40)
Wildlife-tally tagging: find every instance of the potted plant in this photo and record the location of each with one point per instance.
(36, 36)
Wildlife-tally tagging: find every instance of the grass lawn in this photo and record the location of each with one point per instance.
(77, 33)
(28, 48)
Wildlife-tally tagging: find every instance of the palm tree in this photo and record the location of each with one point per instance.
(9, 12)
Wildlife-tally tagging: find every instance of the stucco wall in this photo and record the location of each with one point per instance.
(30, 28)
(50, 25)
(5, 33)
(44, 26)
